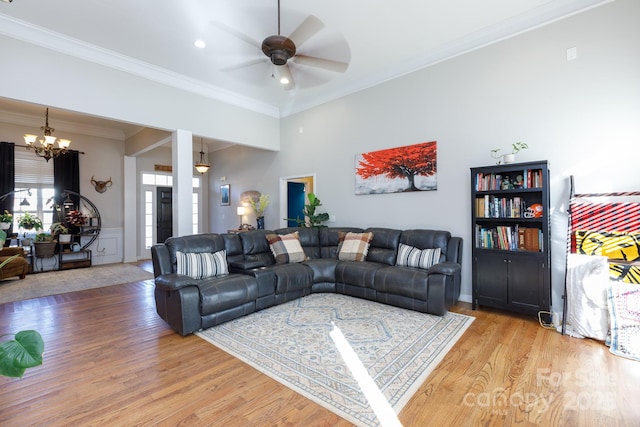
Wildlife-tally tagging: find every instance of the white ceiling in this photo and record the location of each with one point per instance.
(382, 39)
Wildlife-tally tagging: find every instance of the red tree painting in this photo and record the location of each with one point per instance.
(408, 168)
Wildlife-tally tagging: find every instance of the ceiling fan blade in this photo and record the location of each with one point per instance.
(245, 64)
(327, 64)
(307, 29)
(242, 36)
(285, 72)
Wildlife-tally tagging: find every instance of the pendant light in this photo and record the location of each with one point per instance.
(45, 147)
(202, 166)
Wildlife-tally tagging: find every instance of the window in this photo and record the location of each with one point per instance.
(33, 188)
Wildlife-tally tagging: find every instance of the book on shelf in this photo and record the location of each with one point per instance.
(531, 178)
(509, 238)
(490, 206)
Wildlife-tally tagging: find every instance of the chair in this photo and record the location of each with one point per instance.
(16, 267)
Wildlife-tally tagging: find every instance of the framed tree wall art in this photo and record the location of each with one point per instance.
(397, 170)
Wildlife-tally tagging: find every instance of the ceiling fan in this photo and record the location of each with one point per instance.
(283, 51)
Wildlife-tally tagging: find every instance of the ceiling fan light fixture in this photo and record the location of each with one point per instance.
(279, 49)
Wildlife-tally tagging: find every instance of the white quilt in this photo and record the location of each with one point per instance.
(587, 282)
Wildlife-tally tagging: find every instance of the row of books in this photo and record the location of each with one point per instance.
(509, 238)
(490, 206)
(528, 178)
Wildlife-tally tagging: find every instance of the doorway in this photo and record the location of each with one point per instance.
(293, 196)
(295, 203)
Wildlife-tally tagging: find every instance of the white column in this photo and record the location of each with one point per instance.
(130, 235)
(182, 164)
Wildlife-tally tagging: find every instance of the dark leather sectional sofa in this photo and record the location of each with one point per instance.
(256, 282)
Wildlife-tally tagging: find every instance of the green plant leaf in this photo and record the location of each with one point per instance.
(25, 351)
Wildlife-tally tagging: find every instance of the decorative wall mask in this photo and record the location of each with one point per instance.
(101, 186)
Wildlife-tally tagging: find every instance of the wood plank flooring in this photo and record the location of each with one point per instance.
(110, 360)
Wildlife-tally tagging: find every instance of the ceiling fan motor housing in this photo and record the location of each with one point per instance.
(279, 49)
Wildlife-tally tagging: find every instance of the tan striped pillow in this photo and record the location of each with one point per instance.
(353, 246)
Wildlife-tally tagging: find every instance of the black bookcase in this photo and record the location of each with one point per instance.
(511, 240)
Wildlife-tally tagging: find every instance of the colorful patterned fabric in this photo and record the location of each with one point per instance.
(624, 317)
(409, 256)
(615, 246)
(202, 265)
(286, 248)
(354, 246)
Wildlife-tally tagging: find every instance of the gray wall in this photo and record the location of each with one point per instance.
(581, 115)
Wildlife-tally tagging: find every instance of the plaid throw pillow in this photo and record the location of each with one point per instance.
(409, 256)
(202, 265)
(286, 248)
(353, 246)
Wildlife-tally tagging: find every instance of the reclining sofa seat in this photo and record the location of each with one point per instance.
(189, 305)
(192, 304)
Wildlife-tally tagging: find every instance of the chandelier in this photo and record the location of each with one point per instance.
(202, 166)
(47, 149)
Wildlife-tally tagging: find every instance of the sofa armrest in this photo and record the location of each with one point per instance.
(454, 250)
(245, 266)
(174, 281)
(444, 287)
(447, 268)
(161, 259)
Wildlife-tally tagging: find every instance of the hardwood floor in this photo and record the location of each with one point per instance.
(110, 360)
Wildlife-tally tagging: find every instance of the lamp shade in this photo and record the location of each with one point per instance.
(240, 210)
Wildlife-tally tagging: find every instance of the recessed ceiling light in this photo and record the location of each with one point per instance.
(198, 43)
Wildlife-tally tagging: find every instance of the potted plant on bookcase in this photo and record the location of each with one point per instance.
(509, 158)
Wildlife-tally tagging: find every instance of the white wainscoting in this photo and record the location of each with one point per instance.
(107, 249)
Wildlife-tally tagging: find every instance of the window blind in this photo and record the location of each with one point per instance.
(32, 171)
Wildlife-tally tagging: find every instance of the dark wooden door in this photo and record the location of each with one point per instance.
(491, 271)
(164, 215)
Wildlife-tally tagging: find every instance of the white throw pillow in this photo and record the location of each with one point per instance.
(202, 265)
(409, 256)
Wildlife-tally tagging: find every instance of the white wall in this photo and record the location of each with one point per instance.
(41, 76)
(581, 115)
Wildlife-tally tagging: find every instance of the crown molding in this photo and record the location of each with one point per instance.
(33, 34)
(540, 17)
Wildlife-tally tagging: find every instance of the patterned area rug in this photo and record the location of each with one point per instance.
(292, 343)
(624, 316)
(60, 282)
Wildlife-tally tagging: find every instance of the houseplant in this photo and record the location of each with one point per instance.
(30, 222)
(312, 219)
(60, 232)
(45, 245)
(509, 158)
(22, 352)
(6, 219)
(259, 205)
